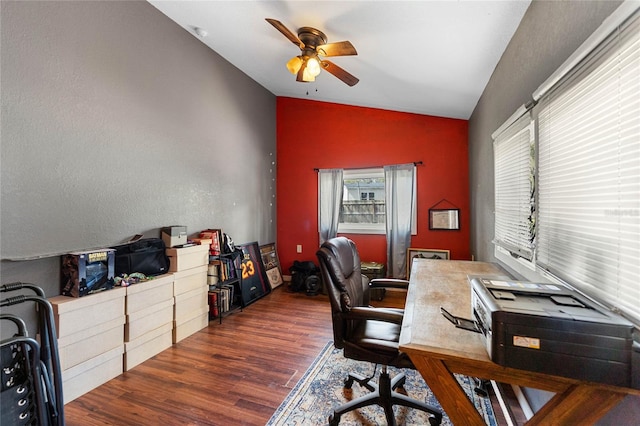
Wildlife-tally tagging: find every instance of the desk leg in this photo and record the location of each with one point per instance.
(448, 391)
(578, 405)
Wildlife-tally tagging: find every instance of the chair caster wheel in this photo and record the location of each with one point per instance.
(333, 421)
(401, 383)
(348, 383)
(434, 421)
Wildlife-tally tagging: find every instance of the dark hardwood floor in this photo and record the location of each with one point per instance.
(234, 373)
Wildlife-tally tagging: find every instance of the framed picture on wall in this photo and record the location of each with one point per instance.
(419, 253)
(444, 219)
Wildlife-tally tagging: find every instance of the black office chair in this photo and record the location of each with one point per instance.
(366, 333)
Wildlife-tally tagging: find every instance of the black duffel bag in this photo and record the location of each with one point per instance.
(305, 277)
(146, 256)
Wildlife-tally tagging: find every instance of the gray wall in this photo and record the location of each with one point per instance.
(116, 121)
(549, 33)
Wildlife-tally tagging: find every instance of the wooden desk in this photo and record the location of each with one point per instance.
(438, 350)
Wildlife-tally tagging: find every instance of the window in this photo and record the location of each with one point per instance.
(585, 221)
(363, 202)
(363, 209)
(514, 156)
(589, 161)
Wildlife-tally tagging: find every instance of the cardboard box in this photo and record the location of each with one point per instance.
(90, 343)
(174, 235)
(87, 272)
(87, 313)
(186, 329)
(149, 293)
(190, 279)
(88, 375)
(188, 303)
(184, 258)
(147, 346)
(148, 319)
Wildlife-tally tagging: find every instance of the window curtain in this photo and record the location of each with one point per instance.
(330, 189)
(400, 193)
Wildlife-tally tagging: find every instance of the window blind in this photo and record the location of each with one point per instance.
(514, 187)
(588, 229)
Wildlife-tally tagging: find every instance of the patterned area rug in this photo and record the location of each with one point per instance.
(321, 389)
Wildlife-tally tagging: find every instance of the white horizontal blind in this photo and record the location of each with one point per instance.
(514, 188)
(589, 174)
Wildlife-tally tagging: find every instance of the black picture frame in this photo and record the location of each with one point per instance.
(444, 219)
(255, 283)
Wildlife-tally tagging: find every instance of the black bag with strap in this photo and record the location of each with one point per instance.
(147, 256)
(304, 277)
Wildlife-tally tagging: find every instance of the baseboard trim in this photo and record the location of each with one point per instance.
(506, 402)
(522, 400)
(506, 411)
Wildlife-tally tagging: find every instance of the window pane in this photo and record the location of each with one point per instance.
(515, 189)
(363, 197)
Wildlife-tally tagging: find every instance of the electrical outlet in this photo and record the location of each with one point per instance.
(299, 248)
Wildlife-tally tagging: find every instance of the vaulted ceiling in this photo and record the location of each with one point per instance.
(426, 57)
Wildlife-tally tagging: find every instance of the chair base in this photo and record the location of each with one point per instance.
(384, 395)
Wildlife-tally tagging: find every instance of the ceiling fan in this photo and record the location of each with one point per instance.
(313, 44)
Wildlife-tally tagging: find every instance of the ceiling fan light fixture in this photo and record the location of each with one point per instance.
(307, 76)
(294, 64)
(313, 66)
(313, 42)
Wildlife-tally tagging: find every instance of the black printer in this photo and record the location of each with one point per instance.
(550, 328)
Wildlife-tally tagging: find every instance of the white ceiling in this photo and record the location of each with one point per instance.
(426, 57)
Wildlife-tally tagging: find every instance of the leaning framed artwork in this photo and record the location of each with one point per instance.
(271, 264)
(255, 283)
(420, 253)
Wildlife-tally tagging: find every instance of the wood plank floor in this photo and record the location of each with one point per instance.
(234, 373)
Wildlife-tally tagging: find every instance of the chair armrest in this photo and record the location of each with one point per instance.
(388, 283)
(379, 314)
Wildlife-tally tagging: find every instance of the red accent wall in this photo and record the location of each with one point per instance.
(312, 134)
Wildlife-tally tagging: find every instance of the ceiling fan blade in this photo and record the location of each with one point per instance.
(340, 73)
(339, 48)
(284, 30)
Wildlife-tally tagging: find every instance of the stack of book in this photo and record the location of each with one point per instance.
(212, 274)
(221, 299)
(215, 235)
(227, 269)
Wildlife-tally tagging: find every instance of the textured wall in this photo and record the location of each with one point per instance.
(352, 137)
(116, 121)
(549, 33)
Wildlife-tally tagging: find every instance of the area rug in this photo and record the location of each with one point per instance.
(321, 389)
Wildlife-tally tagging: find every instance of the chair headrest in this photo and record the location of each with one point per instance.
(345, 252)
